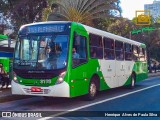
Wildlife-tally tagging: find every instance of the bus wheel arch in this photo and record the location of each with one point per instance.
(94, 87)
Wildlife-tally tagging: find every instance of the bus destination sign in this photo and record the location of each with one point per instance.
(45, 28)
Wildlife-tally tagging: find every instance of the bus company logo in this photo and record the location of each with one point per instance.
(143, 17)
(6, 114)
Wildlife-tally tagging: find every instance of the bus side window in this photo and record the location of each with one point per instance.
(135, 52)
(141, 54)
(128, 51)
(108, 49)
(119, 50)
(96, 46)
(145, 54)
(79, 50)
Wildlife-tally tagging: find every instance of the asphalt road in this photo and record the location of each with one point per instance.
(143, 98)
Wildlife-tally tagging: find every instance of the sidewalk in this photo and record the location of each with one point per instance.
(5, 93)
(154, 74)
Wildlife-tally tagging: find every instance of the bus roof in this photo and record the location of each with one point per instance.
(47, 22)
(3, 37)
(94, 31)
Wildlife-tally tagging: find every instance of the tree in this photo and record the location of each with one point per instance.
(22, 11)
(104, 23)
(85, 11)
(152, 41)
(122, 27)
(158, 19)
(2, 27)
(45, 13)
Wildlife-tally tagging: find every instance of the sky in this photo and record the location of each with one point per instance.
(129, 7)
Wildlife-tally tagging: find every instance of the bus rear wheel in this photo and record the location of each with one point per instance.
(133, 80)
(92, 91)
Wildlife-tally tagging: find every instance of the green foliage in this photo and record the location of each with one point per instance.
(104, 23)
(158, 20)
(45, 13)
(85, 11)
(152, 41)
(121, 27)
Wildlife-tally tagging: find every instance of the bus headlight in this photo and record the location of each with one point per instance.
(15, 77)
(61, 78)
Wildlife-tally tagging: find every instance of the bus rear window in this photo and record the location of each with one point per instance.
(135, 52)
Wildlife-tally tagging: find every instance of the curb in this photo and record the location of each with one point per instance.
(153, 74)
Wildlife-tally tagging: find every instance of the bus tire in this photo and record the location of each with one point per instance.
(92, 91)
(133, 80)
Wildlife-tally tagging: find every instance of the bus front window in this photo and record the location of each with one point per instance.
(41, 52)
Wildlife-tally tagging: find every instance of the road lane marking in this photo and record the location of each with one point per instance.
(99, 102)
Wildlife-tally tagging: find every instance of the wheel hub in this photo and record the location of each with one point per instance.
(93, 89)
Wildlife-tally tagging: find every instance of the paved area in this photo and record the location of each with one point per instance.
(7, 92)
(154, 74)
(144, 97)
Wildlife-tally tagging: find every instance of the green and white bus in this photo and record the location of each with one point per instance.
(45, 63)
(3, 59)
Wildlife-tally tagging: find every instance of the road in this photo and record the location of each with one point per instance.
(144, 97)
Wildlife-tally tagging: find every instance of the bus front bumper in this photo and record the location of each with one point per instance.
(59, 90)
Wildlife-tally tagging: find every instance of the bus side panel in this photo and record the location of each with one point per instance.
(5, 62)
(81, 75)
(141, 71)
(129, 66)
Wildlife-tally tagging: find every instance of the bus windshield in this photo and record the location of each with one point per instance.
(45, 52)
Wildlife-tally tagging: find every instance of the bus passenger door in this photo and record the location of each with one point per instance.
(79, 64)
(120, 73)
(108, 63)
(120, 63)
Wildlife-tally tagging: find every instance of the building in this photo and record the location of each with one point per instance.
(154, 8)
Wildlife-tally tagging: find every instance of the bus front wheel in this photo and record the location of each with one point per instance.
(92, 91)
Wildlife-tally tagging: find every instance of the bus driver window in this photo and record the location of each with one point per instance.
(74, 53)
(79, 48)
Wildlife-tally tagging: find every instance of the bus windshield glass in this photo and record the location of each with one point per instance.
(47, 52)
